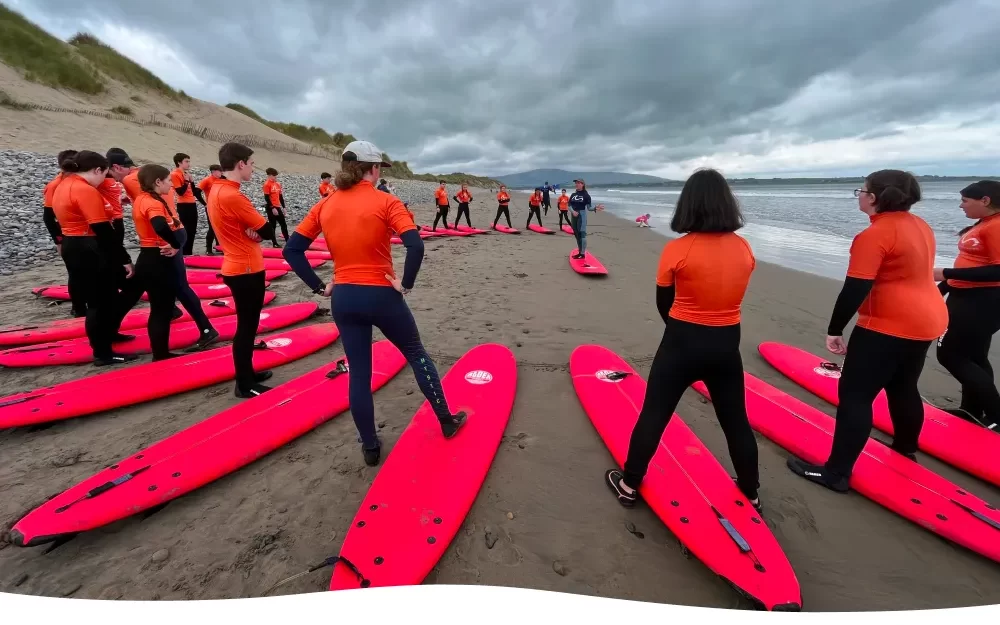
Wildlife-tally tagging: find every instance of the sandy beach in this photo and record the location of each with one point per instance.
(239, 535)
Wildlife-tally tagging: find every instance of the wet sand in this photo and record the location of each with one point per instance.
(241, 534)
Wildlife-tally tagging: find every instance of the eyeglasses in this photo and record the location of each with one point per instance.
(858, 192)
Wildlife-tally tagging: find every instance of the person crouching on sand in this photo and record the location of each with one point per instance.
(643, 220)
(890, 278)
(701, 340)
(973, 290)
(357, 223)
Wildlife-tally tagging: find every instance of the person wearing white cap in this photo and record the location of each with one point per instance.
(357, 223)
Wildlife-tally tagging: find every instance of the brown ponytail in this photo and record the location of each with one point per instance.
(83, 161)
(894, 190)
(351, 173)
(66, 160)
(148, 175)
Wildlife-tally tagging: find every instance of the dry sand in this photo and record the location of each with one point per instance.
(241, 534)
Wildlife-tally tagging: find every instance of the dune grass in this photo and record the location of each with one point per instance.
(43, 58)
(122, 68)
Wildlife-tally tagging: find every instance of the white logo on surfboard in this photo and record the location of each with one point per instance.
(603, 374)
(217, 287)
(479, 377)
(282, 342)
(264, 316)
(828, 373)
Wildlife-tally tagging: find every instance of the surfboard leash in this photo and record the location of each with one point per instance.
(331, 561)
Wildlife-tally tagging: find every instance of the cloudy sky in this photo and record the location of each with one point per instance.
(753, 87)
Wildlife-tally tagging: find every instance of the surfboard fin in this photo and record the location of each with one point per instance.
(331, 561)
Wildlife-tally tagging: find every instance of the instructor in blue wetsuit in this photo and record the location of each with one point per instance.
(579, 204)
(357, 222)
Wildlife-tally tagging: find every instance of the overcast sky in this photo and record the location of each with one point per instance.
(753, 87)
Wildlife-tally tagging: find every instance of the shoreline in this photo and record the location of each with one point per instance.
(239, 535)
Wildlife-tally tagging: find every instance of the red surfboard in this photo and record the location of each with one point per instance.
(506, 229)
(423, 492)
(961, 444)
(568, 230)
(540, 229)
(215, 262)
(447, 232)
(464, 228)
(588, 265)
(153, 380)
(202, 291)
(198, 276)
(203, 452)
(182, 335)
(273, 252)
(64, 329)
(882, 475)
(686, 486)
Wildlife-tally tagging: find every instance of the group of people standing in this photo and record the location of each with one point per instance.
(891, 284)
(83, 212)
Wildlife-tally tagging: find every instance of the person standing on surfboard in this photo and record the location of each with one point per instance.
(503, 207)
(973, 290)
(700, 284)
(441, 199)
(579, 204)
(890, 284)
(564, 209)
(357, 223)
(535, 208)
(463, 198)
(91, 249)
(240, 229)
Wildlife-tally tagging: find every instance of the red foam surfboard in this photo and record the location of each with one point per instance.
(464, 228)
(955, 441)
(568, 230)
(202, 291)
(64, 329)
(540, 229)
(273, 252)
(215, 262)
(506, 229)
(882, 475)
(145, 382)
(427, 485)
(182, 335)
(686, 485)
(199, 276)
(201, 453)
(447, 232)
(588, 265)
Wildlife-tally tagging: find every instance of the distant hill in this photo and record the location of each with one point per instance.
(538, 177)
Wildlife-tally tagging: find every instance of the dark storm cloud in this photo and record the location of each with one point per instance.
(496, 86)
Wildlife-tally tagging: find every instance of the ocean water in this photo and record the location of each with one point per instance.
(806, 227)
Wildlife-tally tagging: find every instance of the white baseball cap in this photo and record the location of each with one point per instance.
(365, 152)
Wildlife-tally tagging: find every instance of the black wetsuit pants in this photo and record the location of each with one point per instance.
(94, 284)
(188, 214)
(877, 362)
(689, 353)
(973, 319)
(442, 216)
(504, 210)
(534, 211)
(248, 296)
(463, 209)
(154, 274)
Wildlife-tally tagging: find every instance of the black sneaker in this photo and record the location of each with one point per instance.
(754, 501)
(818, 474)
(207, 337)
(262, 376)
(451, 426)
(579, 256)
(374, 455)
(122, 338)
(210, 253)
(614, 479)
(114, 359)
(168, 356)
(255, 391)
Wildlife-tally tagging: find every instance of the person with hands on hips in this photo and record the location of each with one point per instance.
(357, 223)
(890, 284)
